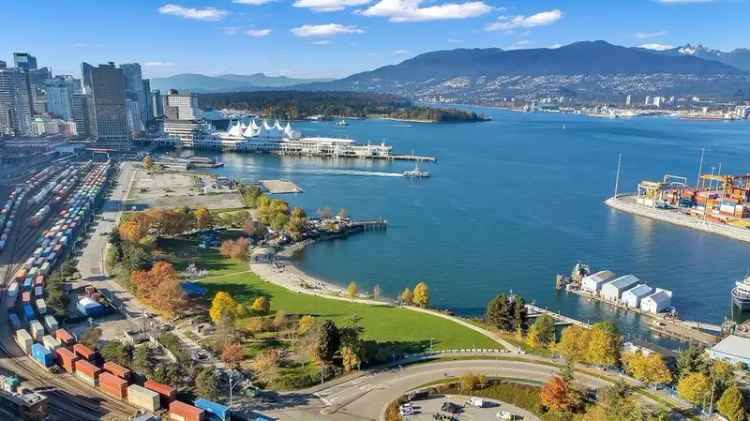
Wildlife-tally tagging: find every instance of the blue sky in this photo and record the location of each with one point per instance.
(333, 38)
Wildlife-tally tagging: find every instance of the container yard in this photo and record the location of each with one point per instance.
(717, 203)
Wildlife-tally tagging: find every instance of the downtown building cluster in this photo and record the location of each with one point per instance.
(109, 104)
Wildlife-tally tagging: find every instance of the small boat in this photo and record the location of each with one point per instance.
(416, 172)
(741, 294)
(342, 123)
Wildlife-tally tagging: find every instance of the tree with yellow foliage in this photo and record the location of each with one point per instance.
(148, 163)
(574, 343)
(421, 295)
(407, 297)
(650, 369)
(202, 218)
(604, 345)
(352, 290)
(349, 359)
(694, 387)
(261, 305)
(224, 307)
(305, 323)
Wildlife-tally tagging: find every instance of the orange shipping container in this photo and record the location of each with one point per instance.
(166, 392)
(117, 370)
(88, 369)
(83, 351)
(180, 411)
(113, 385)
(66, 359)
(64, 337)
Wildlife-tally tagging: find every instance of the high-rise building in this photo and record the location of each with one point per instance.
(80, 113)
(157, 104)
(147, 105)
(181, 106)
(24, 61)
(134, 87)
(15, 102)
(37, 80)
(60, 96)
(105, 86)
(135, 124)
(3, 65)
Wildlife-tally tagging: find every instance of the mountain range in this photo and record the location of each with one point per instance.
(226, 83)
(739, 57)
(587, 70)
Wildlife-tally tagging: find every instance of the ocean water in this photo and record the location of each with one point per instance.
(514, 201)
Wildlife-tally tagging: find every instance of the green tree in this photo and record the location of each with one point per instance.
(519, 312)
(499, 313)
(143, 360)
(691, 360)
(329, 341)
(207, 384)
(542, 332)
(118, 352)
(731, 405)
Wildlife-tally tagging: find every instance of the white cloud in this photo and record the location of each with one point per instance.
(252, 2)
(401, 52)
(644, 35)
(258, 33)
(325, 30)
(555, 46)
(328, 5)
(410, 10)
(206, 13)
(322, 42)
(158, 64)
(657, 47)
(509, 23)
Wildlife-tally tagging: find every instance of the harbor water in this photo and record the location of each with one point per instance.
(511, 203)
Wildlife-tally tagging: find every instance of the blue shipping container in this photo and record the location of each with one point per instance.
(215, 410)
(28, 311)
(41, 354)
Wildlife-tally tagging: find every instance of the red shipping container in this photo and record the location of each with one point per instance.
(85, 367)
(83, 351)
(117, 370)
(167, 393)
(113, 385)
(187, 412)
(66, 359)
(64, 337)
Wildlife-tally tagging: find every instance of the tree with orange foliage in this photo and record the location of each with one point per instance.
(232, 355)
(556, 395)
(160, 288)
(235, 249)
(132, 231)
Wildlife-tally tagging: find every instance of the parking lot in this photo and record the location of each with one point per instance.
(431, 409)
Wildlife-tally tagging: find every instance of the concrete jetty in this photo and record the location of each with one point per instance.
(280, 186)
(627, 203)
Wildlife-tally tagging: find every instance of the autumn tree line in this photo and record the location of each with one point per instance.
(698, 379)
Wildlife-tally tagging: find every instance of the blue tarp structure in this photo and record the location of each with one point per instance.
(216, 411)
(193, 290)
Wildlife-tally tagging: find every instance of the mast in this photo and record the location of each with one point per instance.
(700, 169)
(617, 179)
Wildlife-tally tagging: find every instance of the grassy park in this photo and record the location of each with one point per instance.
(381, 323)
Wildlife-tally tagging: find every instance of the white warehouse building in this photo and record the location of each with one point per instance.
(593, 283)
(657, 302)
(612, 291)
(632, 297)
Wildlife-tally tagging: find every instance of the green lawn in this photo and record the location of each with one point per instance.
(400, 326)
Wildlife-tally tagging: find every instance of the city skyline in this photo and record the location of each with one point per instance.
(335, 38)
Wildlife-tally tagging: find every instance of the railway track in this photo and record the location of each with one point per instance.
(64, 397)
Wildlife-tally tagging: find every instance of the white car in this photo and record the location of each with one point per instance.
(406, 409)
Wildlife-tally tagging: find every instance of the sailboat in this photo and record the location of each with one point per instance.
(342, 123)
(416, 172)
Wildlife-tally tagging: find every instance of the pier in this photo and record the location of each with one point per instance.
(560, 319)
(280, 186)
(379, 224)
